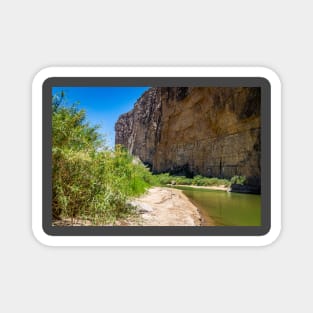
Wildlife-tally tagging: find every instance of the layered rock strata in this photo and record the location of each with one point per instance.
(211, 131)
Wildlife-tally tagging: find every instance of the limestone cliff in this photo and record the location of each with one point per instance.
(212, 131)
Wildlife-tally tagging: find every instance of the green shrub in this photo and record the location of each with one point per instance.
(238, 180)
(165, 179)
(90, 181)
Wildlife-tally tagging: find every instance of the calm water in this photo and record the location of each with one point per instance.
(226, 208)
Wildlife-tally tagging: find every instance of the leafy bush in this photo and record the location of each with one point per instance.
(90, 181)
(165, 179)
(238, 180)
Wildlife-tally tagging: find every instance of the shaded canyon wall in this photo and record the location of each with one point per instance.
(201, 130)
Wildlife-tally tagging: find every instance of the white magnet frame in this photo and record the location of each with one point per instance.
(49, 240)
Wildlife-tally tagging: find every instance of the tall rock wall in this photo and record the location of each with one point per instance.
(201, 130)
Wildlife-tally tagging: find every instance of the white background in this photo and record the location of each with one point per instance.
(37, 34)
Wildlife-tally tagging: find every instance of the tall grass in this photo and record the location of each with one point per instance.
(90, 181)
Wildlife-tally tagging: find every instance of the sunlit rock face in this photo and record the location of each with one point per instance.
(201, 130)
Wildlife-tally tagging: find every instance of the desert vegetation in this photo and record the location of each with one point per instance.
(90, 181)
(93, 183)
(166, 178)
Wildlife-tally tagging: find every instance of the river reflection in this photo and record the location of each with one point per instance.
(226, 208)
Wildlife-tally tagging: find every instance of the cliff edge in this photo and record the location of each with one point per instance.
(211, 131)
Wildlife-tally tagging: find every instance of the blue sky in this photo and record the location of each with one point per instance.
(103, 105)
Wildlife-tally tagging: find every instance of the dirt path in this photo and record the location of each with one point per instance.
(163, 206)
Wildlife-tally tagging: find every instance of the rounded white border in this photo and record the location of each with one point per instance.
(42, 237)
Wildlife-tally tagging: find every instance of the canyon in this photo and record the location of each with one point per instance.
(210, 131)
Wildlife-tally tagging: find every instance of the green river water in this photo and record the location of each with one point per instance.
(226, 208)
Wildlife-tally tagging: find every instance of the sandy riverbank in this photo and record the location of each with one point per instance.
(159, 206)
(162, 206)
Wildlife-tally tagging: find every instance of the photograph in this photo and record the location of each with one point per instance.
(156, 156)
